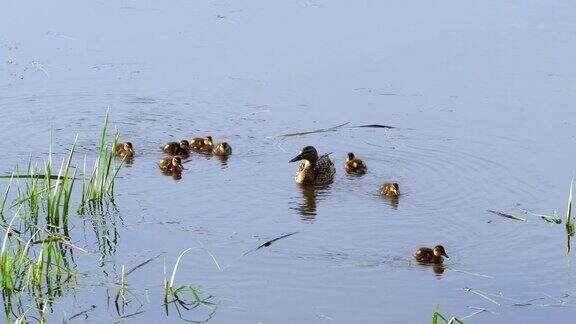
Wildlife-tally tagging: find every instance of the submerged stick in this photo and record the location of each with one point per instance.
(84, 312)
(373, 126)
(268, 243)
(322, 130)
(143, 264)
(499, 213)
(335, 128)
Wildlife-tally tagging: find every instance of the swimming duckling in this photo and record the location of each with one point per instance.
(204, 145)
(175, 148)
(354, 165)
(124, 149)
(222, 149)
(390, 189)
(429, 255)
(314, 170)
(172, 164)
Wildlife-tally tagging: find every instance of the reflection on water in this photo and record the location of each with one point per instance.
(104, 219)
(438, 268)
(223, 160)
(393, 201)
(307, 206)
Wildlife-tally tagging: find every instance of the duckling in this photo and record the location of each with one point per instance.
(390, 189)
(429, 255)
(354, 165)
(222, 149)
(314, 170)
(175, 148)
(204, 145)
(124, 149)
(172, 164)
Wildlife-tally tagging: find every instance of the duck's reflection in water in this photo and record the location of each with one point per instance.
(223, 160)
(176, 175)
(438, 268)
(393, 202)
(306, 207)
(128, 160)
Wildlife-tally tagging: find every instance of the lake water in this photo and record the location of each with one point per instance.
(482, 96)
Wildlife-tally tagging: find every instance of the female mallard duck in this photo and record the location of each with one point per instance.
(390, 189)
(354, 165)
(204, 145)
(175, 148)
(124, 149)
(222, 149)
(429, 255)
(171, 164)
(314, 170)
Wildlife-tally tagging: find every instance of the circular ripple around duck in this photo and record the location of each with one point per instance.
(444, 177)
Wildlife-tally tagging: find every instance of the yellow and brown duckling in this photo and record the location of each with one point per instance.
(428, 255)
(354, 165)
(175, 148)
(171, 164)
(124, 149)
(222, 149)
(204, 145)
(390, 189)
(313, 170)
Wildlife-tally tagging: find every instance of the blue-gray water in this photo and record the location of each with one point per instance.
(482, 95)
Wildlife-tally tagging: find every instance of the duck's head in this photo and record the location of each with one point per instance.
(177, 161)
(128, 147)
(208, 140)
(439, 251)
(184, 144)
(350, 157)
(308, 153)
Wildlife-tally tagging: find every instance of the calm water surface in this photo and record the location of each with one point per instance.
(482, 96)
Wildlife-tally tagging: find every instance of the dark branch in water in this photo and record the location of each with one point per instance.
(133, 314)
(143, 264)
(373, 126)
(268, 243)
(322, 130)
(518, 218)
(84, 312)
(335, 128)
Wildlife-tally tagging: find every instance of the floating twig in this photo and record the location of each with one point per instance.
(143, 264)
(499, 213)
(268, 243)
(322, 130)
(84, 312)
(373, 126)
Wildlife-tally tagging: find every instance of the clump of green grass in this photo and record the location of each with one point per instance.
(36, 252)
(177, 293)
(104, 172)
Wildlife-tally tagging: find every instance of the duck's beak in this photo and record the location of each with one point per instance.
(297, 158)
(446, 255)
